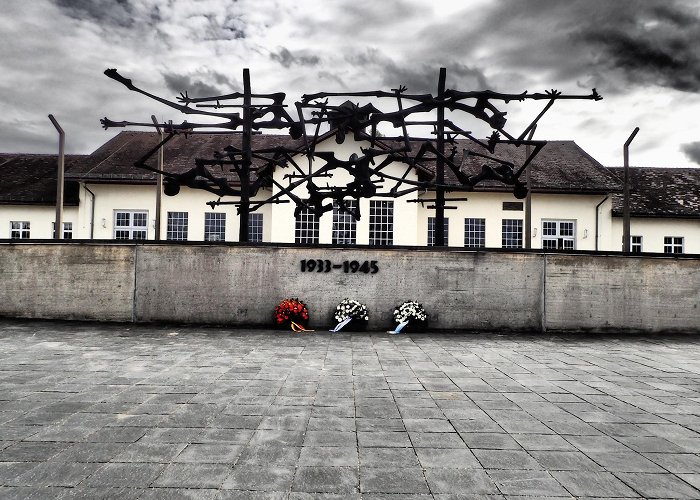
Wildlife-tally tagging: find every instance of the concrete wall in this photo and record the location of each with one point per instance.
(67, 281)
(622, 293)
(242, 285)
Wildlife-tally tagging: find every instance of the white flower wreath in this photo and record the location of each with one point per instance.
(350, 308)
(410, 310)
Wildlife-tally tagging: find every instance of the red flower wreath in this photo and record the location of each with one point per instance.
(291, 311)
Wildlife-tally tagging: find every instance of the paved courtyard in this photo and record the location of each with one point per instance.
(127, 411)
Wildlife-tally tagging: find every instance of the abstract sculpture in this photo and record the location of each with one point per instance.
(367, 169)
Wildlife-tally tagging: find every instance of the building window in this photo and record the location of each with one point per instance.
(431, 231)
(177, 226)
(67, 230)
(255, 228)
(558, 235)
(474, 233)
(344, 224)
(636, 244)
(130, 225)
(306, 227)
(19, 230)
(214, 226)
(381, 222)
(512, 233)
(515, 206)
(673, 244)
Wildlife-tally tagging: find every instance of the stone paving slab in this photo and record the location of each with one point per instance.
(124, 411)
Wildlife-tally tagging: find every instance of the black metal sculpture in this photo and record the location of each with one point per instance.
(367, 169)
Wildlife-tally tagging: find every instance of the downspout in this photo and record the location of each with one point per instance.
(597, 208)
(92, 211)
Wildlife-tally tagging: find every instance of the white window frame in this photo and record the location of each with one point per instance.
(306, 227)
(558, 234)
(255, 227)
(67, 230)
(20, 230)
(431, 231)
(344, 224)
(474, 232)
(214, 226)
(134, 229)
(381, 222)
(673, 244)
(636, 244)
(511, 233)
(178, 223)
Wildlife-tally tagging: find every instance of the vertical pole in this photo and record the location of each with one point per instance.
(626, 195)
(58, 223)
(440, 164)
(159, 180)
(528, 198)
(244, 207)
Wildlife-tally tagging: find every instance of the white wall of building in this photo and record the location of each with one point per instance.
(489, 206)
(405, 213)
(40, 218)
(653, 231)
(110, 198)
(578, 208)
(590, 214)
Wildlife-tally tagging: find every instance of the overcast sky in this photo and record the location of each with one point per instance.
(643, 57)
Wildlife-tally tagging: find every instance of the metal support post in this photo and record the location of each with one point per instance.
(626, 195)
(58, 223)
(528, 198)
(244, 207)
(159, 180)
(440, 164)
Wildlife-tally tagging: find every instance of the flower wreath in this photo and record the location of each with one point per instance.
(350, 308)
(292, 312)
(410, 310)
(347, 311)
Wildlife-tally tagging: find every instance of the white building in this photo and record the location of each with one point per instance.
(575, 201)
(664, 209)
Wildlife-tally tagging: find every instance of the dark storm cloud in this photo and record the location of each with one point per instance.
(232, 27)
(286, 58)
(212, 84)
(421, 77)
(621, 43)
(115, 12)
(657, 44)
(29, 137)
(692, 151)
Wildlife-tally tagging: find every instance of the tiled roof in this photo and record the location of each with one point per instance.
(661, 192)
(561, 166)
(114, 160)
(31, 180)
